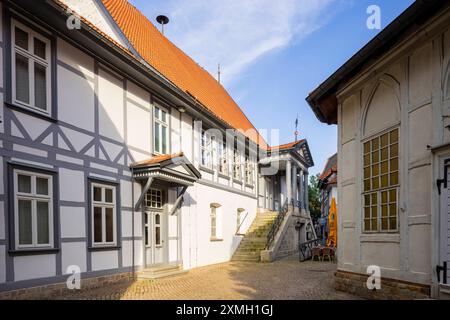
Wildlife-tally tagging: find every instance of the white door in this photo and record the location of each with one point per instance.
(445, 233)
(155, 244)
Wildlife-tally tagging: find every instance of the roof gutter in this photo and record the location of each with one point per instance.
(323, 99)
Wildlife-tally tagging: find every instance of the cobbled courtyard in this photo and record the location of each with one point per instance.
(284, 279)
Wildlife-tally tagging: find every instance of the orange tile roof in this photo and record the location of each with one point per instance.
(330, 167)
(287, 145)
(157, 159)
(177, 67)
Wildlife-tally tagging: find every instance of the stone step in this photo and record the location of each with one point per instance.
(161, 272)
(246, 259)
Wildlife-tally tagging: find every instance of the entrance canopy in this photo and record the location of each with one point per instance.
(174, 169)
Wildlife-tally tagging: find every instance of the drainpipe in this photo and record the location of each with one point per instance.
(132, 222)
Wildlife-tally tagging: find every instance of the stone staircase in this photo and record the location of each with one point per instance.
(255, 239)
(160, 272)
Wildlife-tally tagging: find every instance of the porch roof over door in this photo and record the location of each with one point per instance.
(174, 168)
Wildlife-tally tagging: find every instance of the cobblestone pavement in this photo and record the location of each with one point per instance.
(284, 279)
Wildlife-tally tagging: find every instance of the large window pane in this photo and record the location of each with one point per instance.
(24, 183)
(109, 220)
(22, 79)
(42, 186)
(43, 232)
(98, 224)
(21, 39)
(25, 225)
(40, 86)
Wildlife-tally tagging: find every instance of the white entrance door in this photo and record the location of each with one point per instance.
(155, 244)
(445, 233)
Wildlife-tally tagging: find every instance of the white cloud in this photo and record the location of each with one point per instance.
(238, 32)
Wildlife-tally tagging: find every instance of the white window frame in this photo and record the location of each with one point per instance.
(103, 205)
(217, 227)
(206, 149)
(34, 198)
(380, 190)
(158, 149)
(32, 58)
(222, 157)
(249, 171)
(237, 167)
(154, 194)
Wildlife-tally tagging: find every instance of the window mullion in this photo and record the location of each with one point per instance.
(34, 236)
(31, 76)
(103, 225)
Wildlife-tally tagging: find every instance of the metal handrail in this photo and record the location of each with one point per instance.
(304, 247)
(276, 225)
(239, 227)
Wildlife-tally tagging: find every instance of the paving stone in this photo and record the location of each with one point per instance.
(283, 279)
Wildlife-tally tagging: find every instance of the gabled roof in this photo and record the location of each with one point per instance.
(171, 167)
(157, 159)
(330, 168)
(286, 146)
(177, 67)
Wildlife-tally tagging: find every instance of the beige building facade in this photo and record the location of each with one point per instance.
(391, 103)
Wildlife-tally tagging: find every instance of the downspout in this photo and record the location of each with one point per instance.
(132, 223)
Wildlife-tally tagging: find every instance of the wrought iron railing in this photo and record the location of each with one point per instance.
(305, 249)
(276, 225)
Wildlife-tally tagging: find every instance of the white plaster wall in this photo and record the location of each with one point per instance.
(71, 185)
(111, 105)
(186, 136)
(72, 221)
(75, 101)
(197, 249)
(127, 253)
(175, 131)
(127, 223)
(73, 253)
(90, 10)
(105, 260)
(139, 126)
(32, 267)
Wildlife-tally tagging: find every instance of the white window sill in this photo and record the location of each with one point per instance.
(380, 237)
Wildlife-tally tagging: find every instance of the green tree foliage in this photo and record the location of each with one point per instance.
(313, 195)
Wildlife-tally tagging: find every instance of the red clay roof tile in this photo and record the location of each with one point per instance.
(176, 66)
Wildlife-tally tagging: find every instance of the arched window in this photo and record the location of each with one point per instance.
(380, 157)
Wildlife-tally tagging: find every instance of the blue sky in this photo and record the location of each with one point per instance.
(273, 53)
